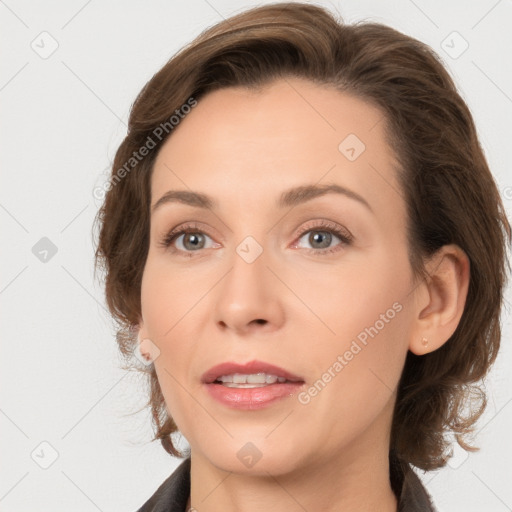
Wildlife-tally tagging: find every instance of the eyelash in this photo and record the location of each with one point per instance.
(345, 237)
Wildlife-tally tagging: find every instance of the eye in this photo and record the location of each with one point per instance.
(190, 238)
(320, 237)
(194, 240)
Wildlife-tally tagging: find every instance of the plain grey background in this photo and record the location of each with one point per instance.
(70, 72)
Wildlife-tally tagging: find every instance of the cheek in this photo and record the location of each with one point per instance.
(162, 311)
(169, 300)
(358, 364)
(360, 297)
(169, 293)
(355, 380)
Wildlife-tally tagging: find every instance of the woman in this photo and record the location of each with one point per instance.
(306, 249)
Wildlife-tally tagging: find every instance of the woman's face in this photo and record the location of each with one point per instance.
(316, 284)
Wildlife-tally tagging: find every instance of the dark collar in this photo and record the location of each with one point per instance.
(173, 493)
(408, 488)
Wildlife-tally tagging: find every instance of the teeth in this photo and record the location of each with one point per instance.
(252, 380)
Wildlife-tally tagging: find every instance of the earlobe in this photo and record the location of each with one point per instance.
(440, 299)
(146, 347)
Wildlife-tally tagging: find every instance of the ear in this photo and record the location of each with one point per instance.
(440, 299)
(143, 340)
(141, 330)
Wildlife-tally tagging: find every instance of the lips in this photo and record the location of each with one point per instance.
(251, 367)
(244, 397)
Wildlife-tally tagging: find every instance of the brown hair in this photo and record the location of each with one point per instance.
(448, 188)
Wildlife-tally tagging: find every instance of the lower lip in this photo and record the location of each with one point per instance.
(252, 398)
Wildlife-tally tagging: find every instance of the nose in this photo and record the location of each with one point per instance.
(249, 297)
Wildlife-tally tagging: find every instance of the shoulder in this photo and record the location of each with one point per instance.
(173, 493)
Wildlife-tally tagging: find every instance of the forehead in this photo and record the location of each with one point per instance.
(247, 146)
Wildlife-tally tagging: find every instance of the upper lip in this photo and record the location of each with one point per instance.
(230, 368)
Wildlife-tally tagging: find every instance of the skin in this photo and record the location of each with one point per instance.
(244, 148)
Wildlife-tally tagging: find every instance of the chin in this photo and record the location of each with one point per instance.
(256, 455)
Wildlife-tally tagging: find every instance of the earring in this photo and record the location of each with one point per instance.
(424, 342)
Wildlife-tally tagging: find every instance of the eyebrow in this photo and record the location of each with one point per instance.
(289, 198)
